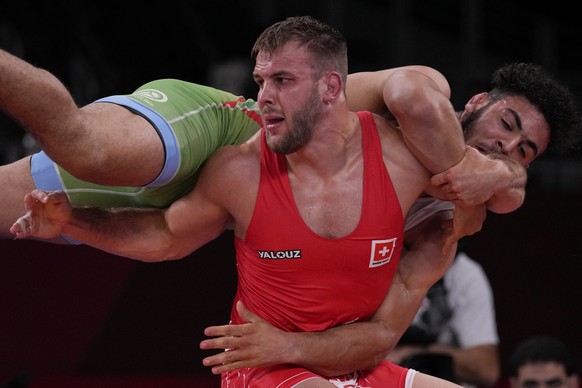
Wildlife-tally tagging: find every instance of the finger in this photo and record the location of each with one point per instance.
(29, 201)
(219, 363)
(438, 179)
(212, 360)
(445, 188)
(220, 331)
(22, 227)
(218, 343)
(226, 361)
(39, 195)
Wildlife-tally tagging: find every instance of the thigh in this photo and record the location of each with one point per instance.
(16, 181)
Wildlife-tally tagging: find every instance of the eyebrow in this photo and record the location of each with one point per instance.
(276, 74)
(550, 382)
(517, 119)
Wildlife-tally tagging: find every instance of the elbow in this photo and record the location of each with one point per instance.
(386, 340)
(382, 356)
(506, 204)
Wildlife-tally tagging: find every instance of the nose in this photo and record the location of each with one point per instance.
(265, 95)
(508, 145)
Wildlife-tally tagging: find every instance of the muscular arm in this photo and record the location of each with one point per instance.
(344, 348)
(88, 141)
(142, 234)
(417, 98)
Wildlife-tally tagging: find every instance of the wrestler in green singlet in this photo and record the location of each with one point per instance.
(192, 120)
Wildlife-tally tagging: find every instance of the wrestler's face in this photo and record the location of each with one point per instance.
(510, 126)
(543, 375)
(289, 98)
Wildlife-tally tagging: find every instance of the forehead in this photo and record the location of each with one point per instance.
(290, 58)
(542, 371)
(534, 125)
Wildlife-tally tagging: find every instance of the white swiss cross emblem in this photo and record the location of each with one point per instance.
(382, 252)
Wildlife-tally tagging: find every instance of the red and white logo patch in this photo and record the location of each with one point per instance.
(382, 251)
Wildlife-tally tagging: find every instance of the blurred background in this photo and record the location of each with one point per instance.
(74, 312)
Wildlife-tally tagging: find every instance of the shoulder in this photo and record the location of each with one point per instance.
(409, 177)
(232, 171)
(235, 161)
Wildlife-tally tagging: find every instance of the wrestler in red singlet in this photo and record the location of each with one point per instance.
(300, 281)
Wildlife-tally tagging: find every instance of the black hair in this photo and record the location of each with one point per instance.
(553, 99)
(541, 348)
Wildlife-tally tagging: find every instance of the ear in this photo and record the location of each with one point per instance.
(477, 101)
(333, 86)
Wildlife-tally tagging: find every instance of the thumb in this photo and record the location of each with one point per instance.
(438, 179)
(245, 313)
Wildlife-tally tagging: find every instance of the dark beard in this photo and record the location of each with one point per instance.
(469, 120)
(468, 125)
(304, 121)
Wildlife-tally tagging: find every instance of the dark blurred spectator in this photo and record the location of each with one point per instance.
(542, 361)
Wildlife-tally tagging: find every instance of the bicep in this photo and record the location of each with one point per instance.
(195, 220)
(365, 89)
(364, 93)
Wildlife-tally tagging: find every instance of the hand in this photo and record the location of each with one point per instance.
(428, 257)
(467, 220)
(46, 215)
(255, 343)
(474, 180)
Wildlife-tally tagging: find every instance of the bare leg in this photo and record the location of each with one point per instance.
(422, 380)
(100, 143)
(16, 181)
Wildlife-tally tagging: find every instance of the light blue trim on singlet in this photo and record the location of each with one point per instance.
(165, 131)
(45, 173)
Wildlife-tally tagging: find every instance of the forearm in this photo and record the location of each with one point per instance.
(133, 233)
(360, 345)
(342, 349)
